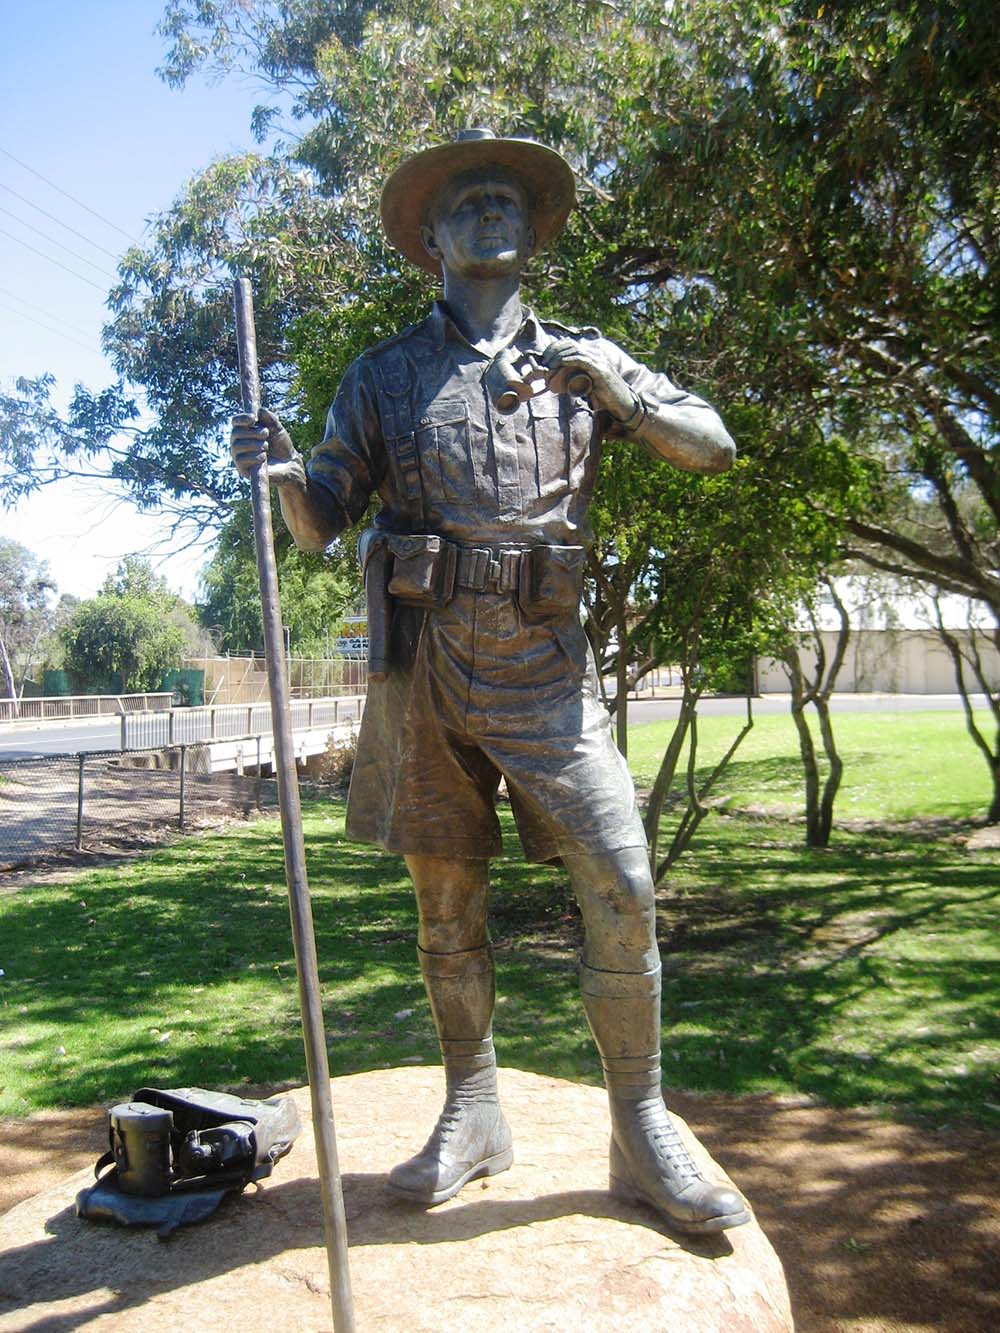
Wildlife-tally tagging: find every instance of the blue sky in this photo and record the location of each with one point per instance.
(85, 109)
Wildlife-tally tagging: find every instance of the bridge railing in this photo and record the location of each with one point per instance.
(222, 722)
(49, 707)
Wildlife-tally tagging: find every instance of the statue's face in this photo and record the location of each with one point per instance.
(479, 226)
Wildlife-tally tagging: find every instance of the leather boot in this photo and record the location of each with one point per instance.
(471, 1138)
(648, 1159)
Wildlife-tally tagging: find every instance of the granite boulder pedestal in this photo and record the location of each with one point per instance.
(542, 1247)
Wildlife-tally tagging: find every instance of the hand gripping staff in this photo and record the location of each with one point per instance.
(291, 828)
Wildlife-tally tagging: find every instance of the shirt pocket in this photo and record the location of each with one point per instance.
(444, 446)
(563, 428)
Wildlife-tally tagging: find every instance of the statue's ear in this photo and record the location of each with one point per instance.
(429, 243)
(531, 236)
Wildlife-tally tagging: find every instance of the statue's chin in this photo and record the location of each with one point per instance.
(496, 266)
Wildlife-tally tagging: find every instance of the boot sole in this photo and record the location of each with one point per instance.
(629, 1193)
(489, 1166)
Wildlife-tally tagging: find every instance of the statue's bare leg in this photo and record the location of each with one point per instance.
(620, 983)
(471, 1137)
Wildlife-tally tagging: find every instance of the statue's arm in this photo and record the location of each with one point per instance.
(686, 432)
(321, 498)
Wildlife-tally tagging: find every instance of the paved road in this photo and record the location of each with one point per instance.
(27, 741)
(655, 710)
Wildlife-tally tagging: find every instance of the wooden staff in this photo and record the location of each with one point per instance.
(291, 827)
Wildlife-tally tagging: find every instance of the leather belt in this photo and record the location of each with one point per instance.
(484, 568)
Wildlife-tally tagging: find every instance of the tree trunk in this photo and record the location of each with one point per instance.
(819, 796)
(832, 784)
(821, 701)
(807, 750)
(810, 771)
(8, 673)
(959, 662)
(697, 810)
(621, 693)
(665, 775)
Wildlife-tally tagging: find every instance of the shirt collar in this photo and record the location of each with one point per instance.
(444, 329)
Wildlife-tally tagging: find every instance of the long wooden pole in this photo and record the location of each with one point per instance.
(291, 826)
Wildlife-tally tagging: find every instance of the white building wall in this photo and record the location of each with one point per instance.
(887, 661)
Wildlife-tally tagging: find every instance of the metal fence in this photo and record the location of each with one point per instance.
(80, 705)
(221, 722)
(95, 801)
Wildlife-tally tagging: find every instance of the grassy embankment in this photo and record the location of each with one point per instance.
(864, 974)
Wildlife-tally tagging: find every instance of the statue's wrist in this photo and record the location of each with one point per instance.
(632, 422)
(288, 471)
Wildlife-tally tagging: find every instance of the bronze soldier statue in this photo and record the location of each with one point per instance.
(480, 428)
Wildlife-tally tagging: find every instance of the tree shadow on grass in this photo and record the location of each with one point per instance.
(177, 968)
(864, 974)
(784, 968)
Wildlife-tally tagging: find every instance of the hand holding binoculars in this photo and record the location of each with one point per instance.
(514, 377)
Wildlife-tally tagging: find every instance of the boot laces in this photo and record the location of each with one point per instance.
(662, 1133)
(458, 1102)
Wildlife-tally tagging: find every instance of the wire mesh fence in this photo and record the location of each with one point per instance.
(243, 679)
(60, 803)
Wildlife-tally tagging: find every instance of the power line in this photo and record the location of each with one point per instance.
(52, 241)
(48, 314)
(60, 332)
(58, 221)
(34, 249)
(79, 202)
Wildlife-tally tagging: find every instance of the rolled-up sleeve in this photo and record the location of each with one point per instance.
(674, 426)
(349, 463)
(654, 388)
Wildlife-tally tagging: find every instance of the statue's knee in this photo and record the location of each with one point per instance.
(621, 880)
(637, 910)
(452, 897)
(617, 900)
(635, 882)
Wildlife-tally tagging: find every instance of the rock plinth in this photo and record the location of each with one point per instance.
(542, 1247)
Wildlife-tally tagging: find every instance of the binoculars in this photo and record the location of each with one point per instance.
(514, 377)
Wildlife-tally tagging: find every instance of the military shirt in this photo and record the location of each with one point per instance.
(486, 691)
(413, 421)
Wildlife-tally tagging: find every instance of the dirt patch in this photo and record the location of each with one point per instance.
(882, 1227)
(42, 1149)
(125, 804)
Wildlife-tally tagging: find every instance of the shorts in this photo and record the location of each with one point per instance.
(490, 694)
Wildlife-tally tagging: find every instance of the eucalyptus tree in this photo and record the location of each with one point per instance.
(791, 208)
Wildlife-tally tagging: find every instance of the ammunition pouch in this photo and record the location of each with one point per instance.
(551, 581)
(425, 571)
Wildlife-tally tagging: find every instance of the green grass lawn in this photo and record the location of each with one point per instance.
(864, 974)
(897, 766)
